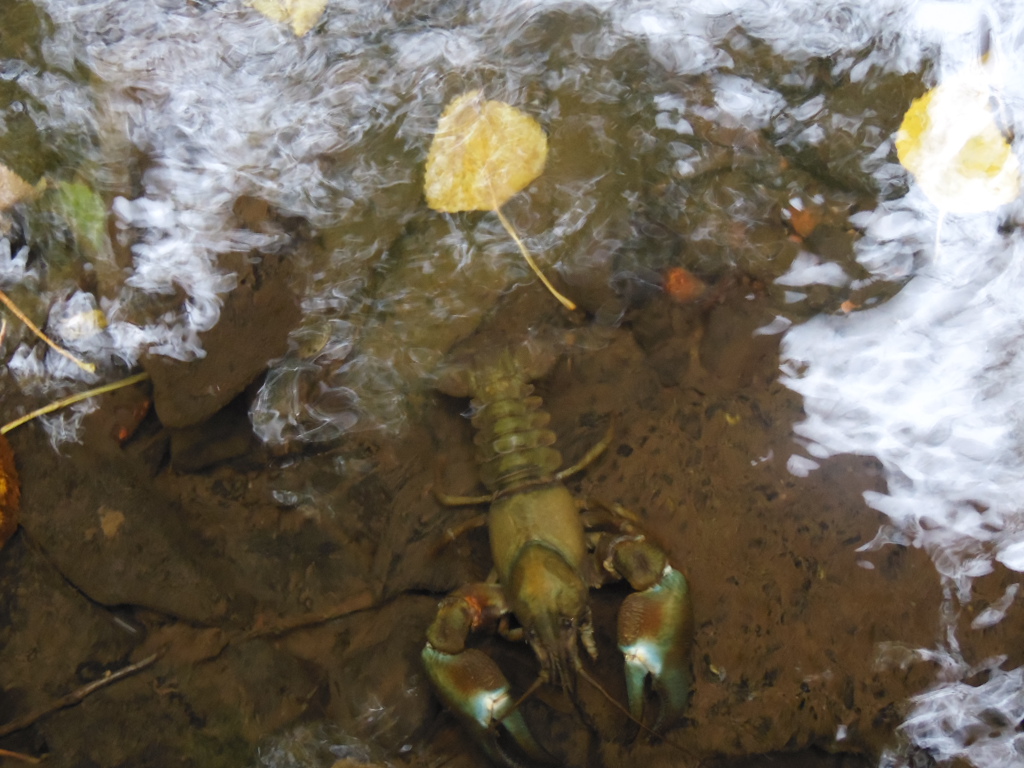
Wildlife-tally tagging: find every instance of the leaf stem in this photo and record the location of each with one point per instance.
(72, 399)
(5, 299)
(567, 303)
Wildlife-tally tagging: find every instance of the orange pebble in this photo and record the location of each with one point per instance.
(804, 220)
(682, 285)
(127, 420)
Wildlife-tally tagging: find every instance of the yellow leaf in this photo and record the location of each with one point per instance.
(84, 324)
(483, 153)
(950, 141)
(301, 14)
(13, 188)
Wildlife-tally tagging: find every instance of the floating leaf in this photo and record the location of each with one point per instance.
(10, 492)
(303, 15)
(483, 153)
(950, 141)
(13, 188)
(82, 325)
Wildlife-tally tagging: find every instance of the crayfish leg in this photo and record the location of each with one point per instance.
(590, 456)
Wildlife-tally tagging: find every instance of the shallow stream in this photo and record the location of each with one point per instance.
(823, 431)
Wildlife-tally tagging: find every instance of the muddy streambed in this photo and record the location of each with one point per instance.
(239, 212)
(307, 616)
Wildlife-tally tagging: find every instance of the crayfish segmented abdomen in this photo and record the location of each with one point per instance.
(513, 443)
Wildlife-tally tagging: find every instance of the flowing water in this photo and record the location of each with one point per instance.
(191, 149)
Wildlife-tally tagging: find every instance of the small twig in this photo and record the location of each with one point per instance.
(75, 697)
(20, 756)
(72, 399)
(354, 604)
(6, 301)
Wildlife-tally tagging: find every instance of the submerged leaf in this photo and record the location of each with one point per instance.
(483, 153)
(950, 141)
(13, 188)
(301, 14)
(86, 214)
(10, 492)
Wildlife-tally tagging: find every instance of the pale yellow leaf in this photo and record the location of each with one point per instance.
(13, 188)
(950, 141)
(303, 15)
(83, 325)
(483, 153)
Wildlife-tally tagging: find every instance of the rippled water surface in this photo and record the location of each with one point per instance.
(749, 142)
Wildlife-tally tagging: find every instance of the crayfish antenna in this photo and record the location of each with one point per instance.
(619, 706)
(529, 692)
(612, 700)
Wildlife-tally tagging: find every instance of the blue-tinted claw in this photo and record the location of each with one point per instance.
(473, 687)
(655, 635)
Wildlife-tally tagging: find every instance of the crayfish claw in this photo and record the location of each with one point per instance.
(655, 634)
(474, 688)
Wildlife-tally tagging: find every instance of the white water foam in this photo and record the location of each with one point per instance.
(929, 383)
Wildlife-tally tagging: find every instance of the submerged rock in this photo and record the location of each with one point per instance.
(253, 329)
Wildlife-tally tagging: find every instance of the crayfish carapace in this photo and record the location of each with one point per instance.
(548, 553)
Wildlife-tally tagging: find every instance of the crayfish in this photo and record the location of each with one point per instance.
(548, 552)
